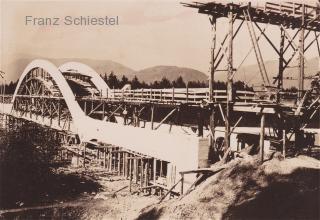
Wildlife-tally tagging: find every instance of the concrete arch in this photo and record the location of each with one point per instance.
(73, 106)
(87, 71)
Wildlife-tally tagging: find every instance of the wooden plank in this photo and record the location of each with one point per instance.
(169, 191)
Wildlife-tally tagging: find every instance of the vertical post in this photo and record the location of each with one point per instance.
(301, 54)
(280, 74)
(124, 164)
(152, 116)
(119, 163)
(146, 176)
(229, 80)
(105, 158)
(154, 170)
(200, 122)
(141, 173)
(187, 94)
(110, 159)
(103, 110)
(262, 133)
(59, 112)
(212, 69)
(130, 174)
(84, 155)
(172, 94)
(182, 182)
(136, 170)
(284, 142)
(161, 168)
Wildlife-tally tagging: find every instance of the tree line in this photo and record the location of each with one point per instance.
(114, 82)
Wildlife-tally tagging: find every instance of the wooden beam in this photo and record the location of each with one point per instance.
(165, 118)
(169, 191)
(262, 133)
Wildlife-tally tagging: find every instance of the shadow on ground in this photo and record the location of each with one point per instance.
(249, 190)
(28, 177)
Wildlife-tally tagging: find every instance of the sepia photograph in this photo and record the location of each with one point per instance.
(159, 109)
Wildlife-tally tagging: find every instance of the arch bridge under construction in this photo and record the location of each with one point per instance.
(157, 136)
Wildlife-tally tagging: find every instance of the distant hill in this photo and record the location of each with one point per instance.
(251, 75)
(170, 72)
(106, 66)
(100, 66)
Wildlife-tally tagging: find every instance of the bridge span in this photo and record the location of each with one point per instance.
(150, 134)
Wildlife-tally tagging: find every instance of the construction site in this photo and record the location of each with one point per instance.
(167, 143)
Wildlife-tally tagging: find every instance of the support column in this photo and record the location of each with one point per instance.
(281, 69)
(262, 133)
(229, 81)
(211, 83)
(152, 116)
(284, 143)
(301, 55)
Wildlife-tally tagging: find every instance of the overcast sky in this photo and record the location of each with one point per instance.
(150, 32)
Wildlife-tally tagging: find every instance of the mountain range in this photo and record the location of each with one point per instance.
(249, 74)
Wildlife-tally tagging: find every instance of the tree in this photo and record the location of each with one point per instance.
(165, 83)
(135, 84)
(179, 83)
(124, 81)
(155, 85)
(113, 81)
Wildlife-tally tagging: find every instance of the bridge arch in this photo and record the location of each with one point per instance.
(87, 71)
(66, 92)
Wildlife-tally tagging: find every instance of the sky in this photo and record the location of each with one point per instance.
(150, 32)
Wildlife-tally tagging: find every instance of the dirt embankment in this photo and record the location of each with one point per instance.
(245, 189)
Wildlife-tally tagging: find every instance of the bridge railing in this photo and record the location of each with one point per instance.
(179, 95)
(193, 95)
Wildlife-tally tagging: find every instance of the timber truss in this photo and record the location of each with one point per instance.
(304, 19)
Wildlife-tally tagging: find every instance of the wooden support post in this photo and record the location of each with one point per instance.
(141, 173)
(172, 94)
(103, 110)
(105, 158)
(154, 170)
(124, 164)
(84, 155)
(229, 82)
(200, 122)
(136, 169)
(152, 116)
(301, 54)
(281, 61)
(119, 163)
(262, 133)
(187, 92)
(161, 168)
(110, 160)
(284, 142)
(146, 168)
(130, 173)
(182, 181)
